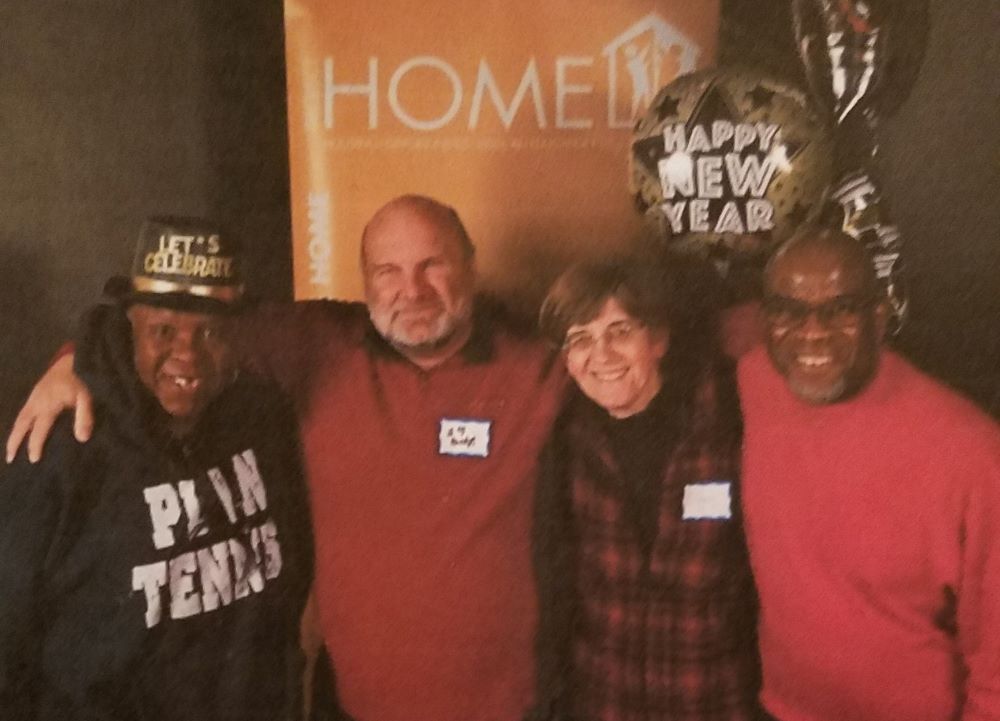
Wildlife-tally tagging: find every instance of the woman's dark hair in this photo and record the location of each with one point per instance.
(681, 295)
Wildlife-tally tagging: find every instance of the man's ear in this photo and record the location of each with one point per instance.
(471, 271)
(881, 314)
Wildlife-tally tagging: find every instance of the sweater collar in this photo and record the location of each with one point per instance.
(765, 395)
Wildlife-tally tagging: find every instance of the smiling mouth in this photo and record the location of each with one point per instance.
(814, 362)
(609, 376)
(186, 383)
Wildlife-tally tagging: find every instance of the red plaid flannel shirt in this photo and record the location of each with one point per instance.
(671, 638)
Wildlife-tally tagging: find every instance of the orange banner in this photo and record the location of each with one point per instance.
(518, 113)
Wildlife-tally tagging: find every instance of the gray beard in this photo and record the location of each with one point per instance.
(430, 346)
(447, 328)
(823, 396)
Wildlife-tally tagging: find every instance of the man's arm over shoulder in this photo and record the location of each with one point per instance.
(59, 389)
(285, 341)
(64, 386)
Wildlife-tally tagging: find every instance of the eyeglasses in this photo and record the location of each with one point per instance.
(616, 336)
(840, 312)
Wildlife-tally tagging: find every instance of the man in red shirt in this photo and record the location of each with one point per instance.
(422, 416)
(872, 508)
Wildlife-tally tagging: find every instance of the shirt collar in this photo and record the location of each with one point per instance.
(766, 397)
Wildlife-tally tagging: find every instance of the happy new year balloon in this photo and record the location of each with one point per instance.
(726, 163)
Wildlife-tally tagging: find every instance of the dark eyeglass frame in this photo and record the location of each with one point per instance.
(615, 335)
(843, 311)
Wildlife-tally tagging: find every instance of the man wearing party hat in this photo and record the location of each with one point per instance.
(160, 570)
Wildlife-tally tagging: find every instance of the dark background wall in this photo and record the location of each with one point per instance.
(111, 111)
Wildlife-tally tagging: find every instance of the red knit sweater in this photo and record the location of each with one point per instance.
(874, 530)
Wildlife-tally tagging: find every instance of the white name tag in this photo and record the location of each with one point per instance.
(464, 437)
(708, 500)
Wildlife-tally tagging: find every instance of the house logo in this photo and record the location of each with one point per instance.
(641, 60)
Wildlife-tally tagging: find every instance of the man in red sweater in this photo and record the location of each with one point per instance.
(872, 505)
(423, 413)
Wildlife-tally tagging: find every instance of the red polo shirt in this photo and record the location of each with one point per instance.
(421, 488)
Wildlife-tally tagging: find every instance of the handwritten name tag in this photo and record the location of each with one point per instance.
(464, 437)
(708, 500)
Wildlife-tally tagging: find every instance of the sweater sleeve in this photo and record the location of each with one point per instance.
(978, 610)
(30, 499)
(284, 340)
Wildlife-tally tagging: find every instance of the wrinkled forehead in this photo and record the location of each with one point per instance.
(147, 314)
(817, 271)
(408, 234)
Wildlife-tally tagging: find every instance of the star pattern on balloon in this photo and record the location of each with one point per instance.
(712, 105)
(798, 214)
(668, 107)
(760, 97)
(647, 153)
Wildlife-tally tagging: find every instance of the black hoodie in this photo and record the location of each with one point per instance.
(144, 578)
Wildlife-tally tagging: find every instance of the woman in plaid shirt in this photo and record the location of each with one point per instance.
(647, 606)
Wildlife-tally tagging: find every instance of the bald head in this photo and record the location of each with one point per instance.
(824, 315)
(824, 250)
(426, 209)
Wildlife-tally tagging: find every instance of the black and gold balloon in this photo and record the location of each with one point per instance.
(726, 163)
(861, 58)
